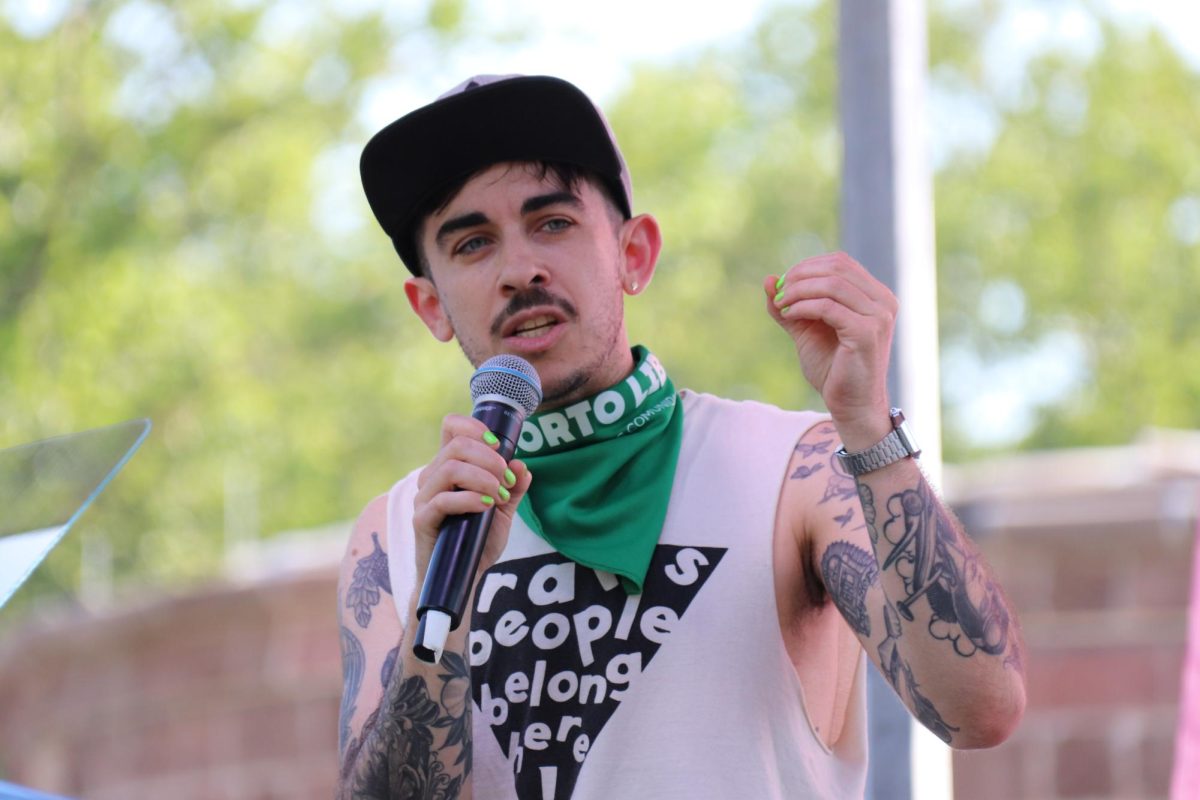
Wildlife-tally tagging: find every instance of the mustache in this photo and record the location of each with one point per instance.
(531, 298)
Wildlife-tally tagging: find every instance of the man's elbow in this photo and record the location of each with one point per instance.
(993, 722)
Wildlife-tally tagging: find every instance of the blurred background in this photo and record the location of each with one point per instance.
(183, 236)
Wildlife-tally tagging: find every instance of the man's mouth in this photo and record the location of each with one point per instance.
(532, 313)
(535, 326)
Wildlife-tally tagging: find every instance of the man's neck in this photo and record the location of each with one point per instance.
(587, 383)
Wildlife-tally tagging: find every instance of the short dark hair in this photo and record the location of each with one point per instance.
(566, 175)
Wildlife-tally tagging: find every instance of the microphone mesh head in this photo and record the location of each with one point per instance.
(511, 377)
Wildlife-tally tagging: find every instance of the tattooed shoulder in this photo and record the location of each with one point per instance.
(371, 577)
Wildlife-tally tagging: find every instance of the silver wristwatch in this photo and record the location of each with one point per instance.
(896, 445)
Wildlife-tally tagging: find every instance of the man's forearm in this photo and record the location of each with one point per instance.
(949, 643)
(417, 743)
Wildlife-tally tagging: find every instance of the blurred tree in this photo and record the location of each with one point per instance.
(737, 154)
(1069, 249)
(1068, 215)
(182, 237)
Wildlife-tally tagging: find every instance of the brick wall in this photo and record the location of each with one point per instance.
(1094, 549)
(233, 693)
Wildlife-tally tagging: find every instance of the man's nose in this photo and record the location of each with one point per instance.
(522, 268)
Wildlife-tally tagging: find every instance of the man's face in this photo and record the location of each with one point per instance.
(521, 265)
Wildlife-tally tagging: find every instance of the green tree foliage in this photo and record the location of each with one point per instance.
(1086, 212)
(1067, 190)
(736, 153)
(181, 237)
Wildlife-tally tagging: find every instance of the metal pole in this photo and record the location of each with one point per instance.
(887, 225)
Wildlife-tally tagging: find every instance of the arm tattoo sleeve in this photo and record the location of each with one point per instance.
(966, 605)
(867, 499)
(900, 675)
(353, 663)
(849, 572)
(399, 754)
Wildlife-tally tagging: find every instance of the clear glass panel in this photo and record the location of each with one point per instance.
(46, 485)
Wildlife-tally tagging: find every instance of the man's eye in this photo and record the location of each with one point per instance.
(557, 224)
(470, 245)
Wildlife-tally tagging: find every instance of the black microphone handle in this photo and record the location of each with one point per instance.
(462, 537)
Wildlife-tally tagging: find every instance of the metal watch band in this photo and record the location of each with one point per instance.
(896, 445)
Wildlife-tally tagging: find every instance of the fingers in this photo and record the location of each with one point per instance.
(839, 269)
(466, 442)
(834, 289)
(466, 476)
(457, 425)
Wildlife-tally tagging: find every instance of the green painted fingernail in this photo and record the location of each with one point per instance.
(779, 297)
(779, 283)
(504, 495)
(510, 479)
(784, 309)
(490, 438)
(487, 501)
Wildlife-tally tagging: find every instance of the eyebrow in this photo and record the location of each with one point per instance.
(468, 220)
(538, 202)
(530, 206)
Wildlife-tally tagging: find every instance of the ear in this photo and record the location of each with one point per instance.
(425, 301)
(641, 241)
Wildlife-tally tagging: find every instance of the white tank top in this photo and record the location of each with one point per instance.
(684, 691)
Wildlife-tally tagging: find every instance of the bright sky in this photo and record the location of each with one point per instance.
(595, 49)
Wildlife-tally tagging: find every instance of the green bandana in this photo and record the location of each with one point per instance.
(603, 470)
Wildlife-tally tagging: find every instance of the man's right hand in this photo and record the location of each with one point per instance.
(466, 476)
(377, 713)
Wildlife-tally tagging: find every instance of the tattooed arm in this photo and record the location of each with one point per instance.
(914, 589)
(405, 725)
(895, 562)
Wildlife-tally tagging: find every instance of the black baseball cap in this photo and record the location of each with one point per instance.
(485, 120)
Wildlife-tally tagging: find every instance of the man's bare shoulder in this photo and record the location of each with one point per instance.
(364, 575)
(370, 626)
(809, 481)
(815, 479)
(369, 532)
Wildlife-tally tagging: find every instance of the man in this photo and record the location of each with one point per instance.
(677, 589)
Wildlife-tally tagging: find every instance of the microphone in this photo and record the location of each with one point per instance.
(505, 389)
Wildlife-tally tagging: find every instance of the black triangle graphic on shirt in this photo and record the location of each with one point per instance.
(555, 647)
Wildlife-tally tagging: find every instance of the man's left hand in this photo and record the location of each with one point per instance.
(841, 319)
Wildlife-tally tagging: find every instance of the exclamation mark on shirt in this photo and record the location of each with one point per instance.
(549, 780)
